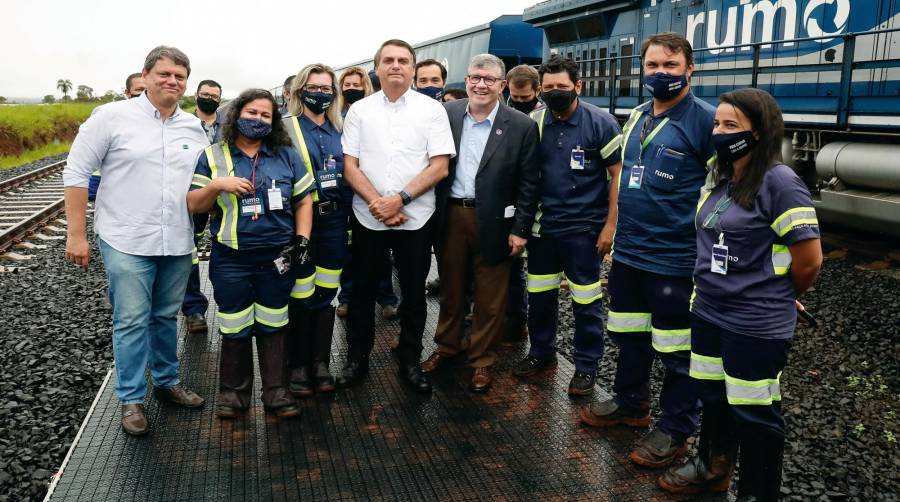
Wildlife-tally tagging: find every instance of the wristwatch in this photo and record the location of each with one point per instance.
(405, 197)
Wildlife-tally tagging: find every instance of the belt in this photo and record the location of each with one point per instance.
(326, 207)
(466, 203)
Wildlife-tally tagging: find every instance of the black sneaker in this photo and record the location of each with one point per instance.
(531, 365)
(582, 383)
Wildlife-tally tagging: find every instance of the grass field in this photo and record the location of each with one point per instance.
(54, 148)
(30, 131)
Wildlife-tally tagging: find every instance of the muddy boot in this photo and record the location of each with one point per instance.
(273, 369)
(324, 327)
(762, 449)
(300, 333)
(711, 469)
(235, 377)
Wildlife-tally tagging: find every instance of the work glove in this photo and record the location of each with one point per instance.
(293, 255)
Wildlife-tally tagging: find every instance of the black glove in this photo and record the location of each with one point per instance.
(295, 254)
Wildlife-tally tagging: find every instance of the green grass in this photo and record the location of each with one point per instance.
(24, 128)
(54, 148)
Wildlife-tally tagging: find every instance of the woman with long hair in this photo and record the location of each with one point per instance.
(354, 85)
(758, 249)
(260, 228)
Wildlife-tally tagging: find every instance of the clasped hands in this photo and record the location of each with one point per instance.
(387, 209)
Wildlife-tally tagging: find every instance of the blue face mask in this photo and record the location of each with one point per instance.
(432, 92)
(253, 128)
(664, 86)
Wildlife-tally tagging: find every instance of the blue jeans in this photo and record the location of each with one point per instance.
(145, 293)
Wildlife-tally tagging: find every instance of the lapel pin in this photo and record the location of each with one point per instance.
(499, 132)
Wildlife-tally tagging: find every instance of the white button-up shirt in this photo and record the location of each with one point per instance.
(473, 139)
(394, 142)
(146, 167)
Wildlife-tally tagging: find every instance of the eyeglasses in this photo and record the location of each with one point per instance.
(205, 95)
(488, 81)
(713, 218)
(325, 89)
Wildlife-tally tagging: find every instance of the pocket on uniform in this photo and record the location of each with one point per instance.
(665, 171)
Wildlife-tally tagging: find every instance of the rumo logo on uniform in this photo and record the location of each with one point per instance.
(749, 14)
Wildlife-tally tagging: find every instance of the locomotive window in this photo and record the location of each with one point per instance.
(625, 70)
(561, 33)
(590, 27)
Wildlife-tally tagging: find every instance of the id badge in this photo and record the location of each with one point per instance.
(331, 164)
(328, 178)
(252, 204)
(636, 177)
(719, 262)
(274, 196)
(577, 160)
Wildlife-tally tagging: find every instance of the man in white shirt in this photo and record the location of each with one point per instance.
(397, 146)
(145, 149)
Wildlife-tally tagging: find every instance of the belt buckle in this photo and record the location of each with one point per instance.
(325, 207)
(468, 203)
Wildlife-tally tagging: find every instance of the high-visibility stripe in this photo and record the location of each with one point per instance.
(268, 316)
(304, 287)
(653, 133)
(703, 199)
(712, 161)
(753, 392)
(706, 367)
(302, 184)
(628, 322)
(671, 340)
(538, 283)
(793, 217)
(610, 147)
(691, 303)
(781, 259)
(231, 323)
(299, 142)
(585, 294)
(200, 180)
(327, 277)
(539, 118)
(195, 258)
(536, 226)
(218, 155)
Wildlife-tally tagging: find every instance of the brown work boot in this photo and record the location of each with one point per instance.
(608, 414)
(657, 449)
(273, 370)
(235, 377)
(134, 421)
(695, 476)
(180, 396)
(342, 310)
(433, 362)
(481, 379)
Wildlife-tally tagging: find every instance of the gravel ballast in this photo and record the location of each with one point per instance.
(12, 172)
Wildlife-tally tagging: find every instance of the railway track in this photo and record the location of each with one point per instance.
(28, 202)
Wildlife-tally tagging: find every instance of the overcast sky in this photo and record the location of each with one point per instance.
(254, 43)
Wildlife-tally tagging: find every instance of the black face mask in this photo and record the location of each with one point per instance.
(525, 107)
(353, 95)
(317, 102)
(207, 105)
(733, 146)
(558, 100)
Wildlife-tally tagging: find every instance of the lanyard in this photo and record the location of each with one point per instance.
(646, 135)
(253, 186)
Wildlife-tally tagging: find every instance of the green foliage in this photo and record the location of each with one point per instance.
(64, 86)
(29, 127)
(54, 148)
(49, 99)
(188, 102)
(2, 100)
(84, 93)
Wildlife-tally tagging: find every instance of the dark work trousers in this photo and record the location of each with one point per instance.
(369, 249)
(386, 295)
(649, 317)
(195, 302)
(517, 303)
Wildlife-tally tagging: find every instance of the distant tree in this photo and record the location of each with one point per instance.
(84, 93)
(188, 102)
(111, 96)
(2, 100)
(64, 86)
(49, 99)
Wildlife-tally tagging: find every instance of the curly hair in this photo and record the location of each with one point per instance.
(275, 140)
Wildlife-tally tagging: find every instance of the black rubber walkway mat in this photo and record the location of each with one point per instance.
(376, 441)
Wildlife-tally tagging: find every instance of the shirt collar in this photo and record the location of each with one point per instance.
(328, 127)
(678, 111)
(263, 150)
(402, 99)
(574, 120)
(490, 118)
(144, 102)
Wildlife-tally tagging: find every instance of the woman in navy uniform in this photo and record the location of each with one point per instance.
(314, 126)
(259, 190)
(758, 249)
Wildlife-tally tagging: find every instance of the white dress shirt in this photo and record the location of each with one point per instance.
(146, 167)
(472, 140)
(394, 142)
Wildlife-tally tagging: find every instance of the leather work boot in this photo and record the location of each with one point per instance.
(342, 310)
(434, 361)
(657, 449)
(301, 384)
(134, 421)
(582, 383)
(481, 379)
(324, 328)
(531, 365)
(273, 369)
(300, 349)
(196, 324)
(354, 371)
(389, 312)
(180, 396)
(608, 413)
(235, 377)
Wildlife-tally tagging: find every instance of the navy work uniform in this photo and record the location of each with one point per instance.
(573, 206)
(665, 161)
(248, 233)
(744, 316)
(316, 282)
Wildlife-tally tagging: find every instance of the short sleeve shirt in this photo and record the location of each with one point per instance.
(394, 142)
(282, 169)
(575, 193)
(323, 142)
(655, 230)
(756, 296)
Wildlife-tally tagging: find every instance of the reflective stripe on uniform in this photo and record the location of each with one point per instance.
(304, 287)
(235, 322)
(781, 259)
(711, 162)
(753, 392)
(327, 278)
(793, 217)
(536, 226)
(706, 367)
(538, 283)
(628, 322)
(268, 316)
(218, 154)
(195, 258)
(585, 294)
(299, 142)
(199, 180)
(671, 340)
(610, 147)
(691, 303)
(539, 118)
